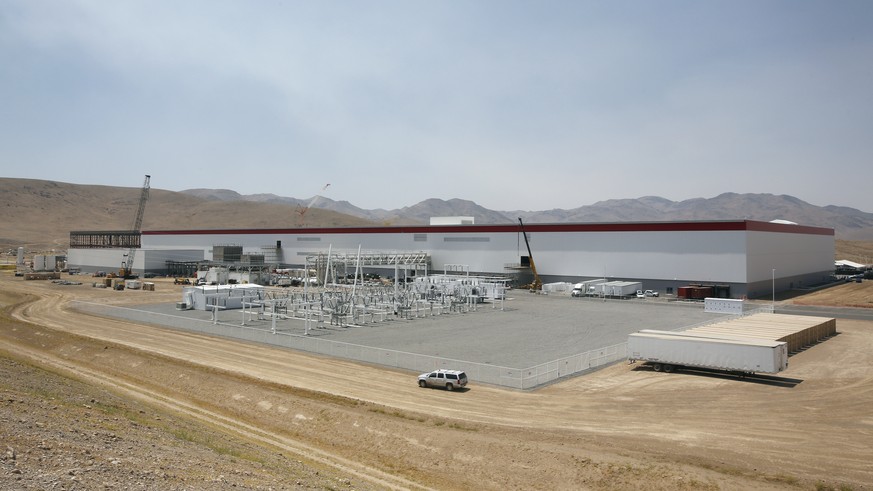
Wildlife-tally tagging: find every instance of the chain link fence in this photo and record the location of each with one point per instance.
(517, 378)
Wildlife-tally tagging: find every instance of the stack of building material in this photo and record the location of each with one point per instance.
(559, 287)
(42, 276)
(797, 331)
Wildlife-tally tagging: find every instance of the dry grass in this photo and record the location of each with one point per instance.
(40, 215)
(860, 251)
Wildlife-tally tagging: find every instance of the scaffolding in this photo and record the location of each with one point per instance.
(105, 239)
(327, 266)
(334, 302)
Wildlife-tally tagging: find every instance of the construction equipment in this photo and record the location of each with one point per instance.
(126, 270)
(301, 211)
(537, 284)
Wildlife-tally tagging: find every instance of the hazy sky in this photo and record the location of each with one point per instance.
(514, 105)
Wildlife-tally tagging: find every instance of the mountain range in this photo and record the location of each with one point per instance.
(40, 214)
(848, 223)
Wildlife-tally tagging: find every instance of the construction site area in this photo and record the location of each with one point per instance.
(368, 424)
(295, 366)
(518, 340)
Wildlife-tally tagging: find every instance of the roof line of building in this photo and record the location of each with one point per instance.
(689, 226)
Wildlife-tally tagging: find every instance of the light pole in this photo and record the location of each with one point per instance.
(774, 290)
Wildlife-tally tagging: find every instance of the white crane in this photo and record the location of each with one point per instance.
(126, 269)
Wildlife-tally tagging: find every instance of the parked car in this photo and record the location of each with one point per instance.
(640, 294)
(447, 379)
(651, 293)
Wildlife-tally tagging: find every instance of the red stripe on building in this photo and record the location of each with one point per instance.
(712, 226)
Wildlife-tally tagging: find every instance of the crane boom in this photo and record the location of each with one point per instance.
(301, 212)
(137, 224)
(537, 284)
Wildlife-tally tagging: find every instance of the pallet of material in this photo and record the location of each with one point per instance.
(798, 331)
(42, 276)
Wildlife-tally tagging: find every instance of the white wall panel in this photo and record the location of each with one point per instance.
(723, 254)
(790, 254)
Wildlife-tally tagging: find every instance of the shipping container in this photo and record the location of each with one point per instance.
(695, 292)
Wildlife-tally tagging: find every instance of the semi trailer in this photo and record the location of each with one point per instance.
(617, 289)
(669, 350)
(586, 287)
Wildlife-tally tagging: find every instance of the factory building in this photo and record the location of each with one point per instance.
(738, 257)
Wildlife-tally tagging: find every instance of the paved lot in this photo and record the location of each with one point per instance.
(529, 330)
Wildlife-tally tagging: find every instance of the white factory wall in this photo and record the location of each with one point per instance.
(688, 256)
(789, 254)
(111, 260)
(108, 260)
(706, 256)
(798, 260)
(662, 258)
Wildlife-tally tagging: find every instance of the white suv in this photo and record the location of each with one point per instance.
(450, 379)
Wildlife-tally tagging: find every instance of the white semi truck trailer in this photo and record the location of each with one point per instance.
(668, 350)
(617, 289)
(586, 287)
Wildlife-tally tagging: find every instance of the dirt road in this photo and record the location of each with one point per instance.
(623, 427)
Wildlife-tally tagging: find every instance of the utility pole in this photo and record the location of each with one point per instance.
(774, 290)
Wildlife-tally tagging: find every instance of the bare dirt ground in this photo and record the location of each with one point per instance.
(94, 403)
(846, 295)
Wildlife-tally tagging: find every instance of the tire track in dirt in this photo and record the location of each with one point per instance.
(679, 417)
(228, 424)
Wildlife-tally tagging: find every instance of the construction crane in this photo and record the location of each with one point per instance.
(127, 268)
(301, 212)
(537, 284)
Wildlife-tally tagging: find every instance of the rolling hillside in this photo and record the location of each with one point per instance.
(40, 214)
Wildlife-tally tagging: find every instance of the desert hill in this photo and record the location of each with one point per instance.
(40, 214)
(848, 223)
